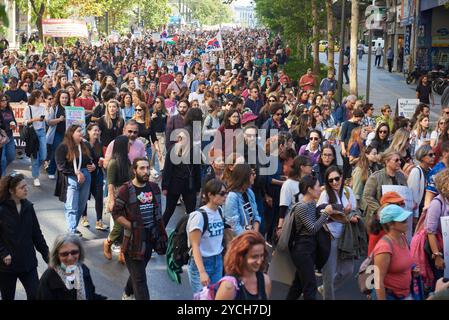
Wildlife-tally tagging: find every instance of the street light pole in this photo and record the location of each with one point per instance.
(342, 48)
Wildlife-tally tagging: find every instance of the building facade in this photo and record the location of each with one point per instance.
(245, 15)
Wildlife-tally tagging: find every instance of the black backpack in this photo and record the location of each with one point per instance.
(180, 247)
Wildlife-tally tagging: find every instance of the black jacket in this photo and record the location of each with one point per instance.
(20, 234)
(175, 178)
(51, 287)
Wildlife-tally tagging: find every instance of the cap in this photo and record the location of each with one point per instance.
(247, 117)
(393, 212)
(391, 197)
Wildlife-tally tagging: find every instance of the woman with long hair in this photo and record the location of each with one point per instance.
(356, 144)
(34, 114)
(146, 132)
(328, 157)
(75, 165)
(240, 210)
(111, 123)
(96, 189)
(316, 118)
(170, 102)
(245, 259)
(401, 145)
(435, 135)
(9, 123)
(302, 166)
(366, 166)
(312, 149)
(118, 173)
(57, 127)
(421, 109)
(421, 133)
(127, 108)
(20, 236)
(380, 141)
(337, 270)
(159, 117)
(231, 123)
(300, 131)
(304, 248)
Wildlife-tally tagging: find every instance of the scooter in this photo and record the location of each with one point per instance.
(414, 75)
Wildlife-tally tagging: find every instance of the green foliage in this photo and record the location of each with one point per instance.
(155, 13)
(3, 17)
(296, 67)
(38, 45)
(210, 12)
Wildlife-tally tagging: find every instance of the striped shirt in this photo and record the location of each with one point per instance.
(306, 220)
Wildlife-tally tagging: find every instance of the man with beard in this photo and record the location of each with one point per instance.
(199, 93)
(138, 209)
(136, 147)
(177, 121)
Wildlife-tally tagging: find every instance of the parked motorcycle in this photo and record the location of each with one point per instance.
(414, 75)
(440, 84)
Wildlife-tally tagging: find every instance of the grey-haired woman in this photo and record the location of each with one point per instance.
(67, 278)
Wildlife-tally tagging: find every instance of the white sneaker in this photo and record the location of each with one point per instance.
(321, 290)
(115, 248)
(51, 177)
(126, 297)
(37, 183)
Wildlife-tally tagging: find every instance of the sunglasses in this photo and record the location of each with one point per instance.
(222, 193)
(272, 100)
(431, 154)
(397, 160)
(332, 180)
(67, 253)
(138, 110)
(279, 114)
(314, 138)
(133, 132)
(441, 123)
(383, 131)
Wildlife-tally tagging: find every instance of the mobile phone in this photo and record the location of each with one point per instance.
(42, 117)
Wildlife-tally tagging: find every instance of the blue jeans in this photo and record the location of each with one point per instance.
(77, 196)
(56, 142)
(213, 266)
(41, 153)
(8, 154)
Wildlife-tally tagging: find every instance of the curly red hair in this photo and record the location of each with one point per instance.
(234, 260)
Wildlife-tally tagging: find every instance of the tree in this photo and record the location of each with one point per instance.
(315, 38)
(55, 8)
(210, 12)
(330, 35)
(355, 18)
(155, 13)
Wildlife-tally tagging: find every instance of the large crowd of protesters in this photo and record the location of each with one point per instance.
(256, 160)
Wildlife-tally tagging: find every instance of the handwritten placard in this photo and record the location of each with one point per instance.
(75, 115)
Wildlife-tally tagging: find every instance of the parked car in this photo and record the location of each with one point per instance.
(374, 44)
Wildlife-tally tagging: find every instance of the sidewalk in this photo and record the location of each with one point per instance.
(386, 87)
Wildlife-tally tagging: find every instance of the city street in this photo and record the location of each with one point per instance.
(110, 276)
(386, 87)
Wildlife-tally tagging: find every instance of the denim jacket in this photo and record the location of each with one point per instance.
(234, 213)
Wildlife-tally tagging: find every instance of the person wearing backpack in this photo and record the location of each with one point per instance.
(240, 210)
(205, 229)
(392, 256)
(251, 283)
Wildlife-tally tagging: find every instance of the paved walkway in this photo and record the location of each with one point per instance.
(386, 87)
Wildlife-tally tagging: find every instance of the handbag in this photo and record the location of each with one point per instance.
(4, 139)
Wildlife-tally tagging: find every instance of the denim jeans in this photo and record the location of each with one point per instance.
(8, 154)
(41, 153)
(56, 142)
(213, 266)
(137, 281)
(77, 196)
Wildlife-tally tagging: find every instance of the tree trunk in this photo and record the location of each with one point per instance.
(315, 35)
(298, 46)
(354, 39)
(330, 36)
(40, 16)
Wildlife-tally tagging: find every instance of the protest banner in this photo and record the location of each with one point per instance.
(18, 109)
(75, 115)
(445, 232)
(64, 28)
(406, 107)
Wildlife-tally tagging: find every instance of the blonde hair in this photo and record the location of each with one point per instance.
(400, 141)
(107, 116)
(442, 183)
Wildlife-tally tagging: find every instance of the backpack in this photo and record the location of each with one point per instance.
(29, 136)
(208, 293)
(178, 240)
(364, 274)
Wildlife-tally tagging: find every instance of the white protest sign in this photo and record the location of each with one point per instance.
(60, 28)
(75, 115)
(222, 64)
(407, 107)
(445, 232)
(156, 36)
